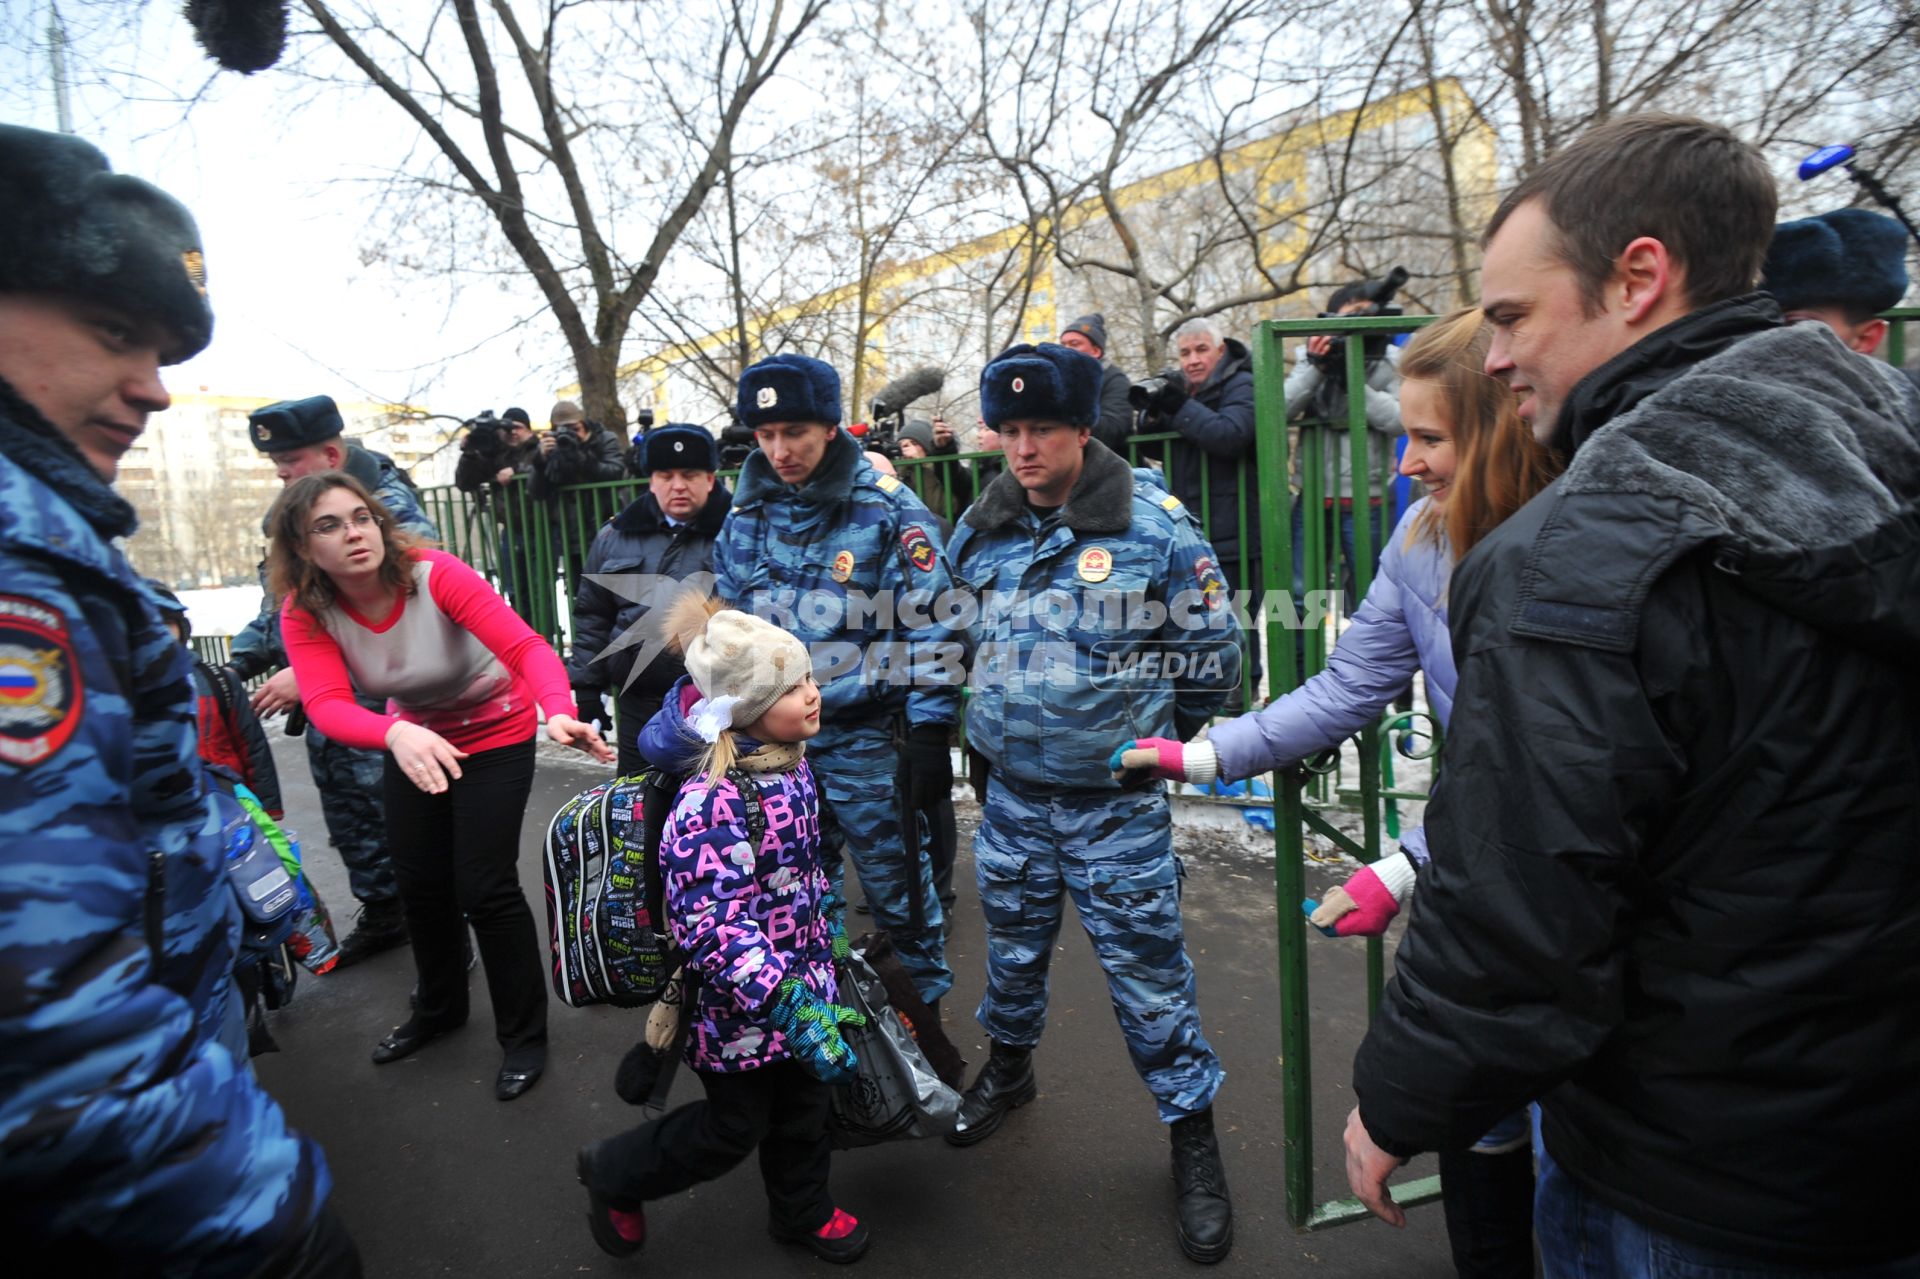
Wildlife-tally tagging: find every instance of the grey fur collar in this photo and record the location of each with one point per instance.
(1784, 441)
(1101, 501)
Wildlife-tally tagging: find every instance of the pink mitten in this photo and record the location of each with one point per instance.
(1367, 902)
(1165, 759)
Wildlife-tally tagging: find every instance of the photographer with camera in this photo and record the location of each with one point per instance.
(1317, 406)
(1088, 335)
(1208, 401)
(576, 451)
(495, 452)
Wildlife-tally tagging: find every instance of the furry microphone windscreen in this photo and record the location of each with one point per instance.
(241, 35)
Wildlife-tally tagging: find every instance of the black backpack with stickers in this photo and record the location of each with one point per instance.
(607, 928)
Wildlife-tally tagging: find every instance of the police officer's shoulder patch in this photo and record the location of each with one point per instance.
(40, 689)
(888, 483)
(1212, 588)
(1169, 503)
(918, 546)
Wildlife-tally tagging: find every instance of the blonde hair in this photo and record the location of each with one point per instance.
(1500, 466)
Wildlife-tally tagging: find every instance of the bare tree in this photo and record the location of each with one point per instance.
(522, 119)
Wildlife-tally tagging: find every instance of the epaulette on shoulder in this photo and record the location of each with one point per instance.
(888, 483)
(1147, 488)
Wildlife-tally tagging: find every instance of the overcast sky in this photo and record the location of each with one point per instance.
(282, 205)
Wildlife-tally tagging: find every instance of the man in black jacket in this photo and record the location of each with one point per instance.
(577, 450)
(1209, 402)
(1674, 892)
(639, 559)
(1088, 335)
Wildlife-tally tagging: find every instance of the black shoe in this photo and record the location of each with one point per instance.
(1205, 1211)
(520, 1071)
(1489, 1206)
(845, 1250)
(408, 1039)
(381, 926)
(1004, 1083)
(603, 1218)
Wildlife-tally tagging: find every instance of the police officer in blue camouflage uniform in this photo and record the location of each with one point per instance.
(826, 547)
(1097, 599)
(303, 437)
(133, 1136)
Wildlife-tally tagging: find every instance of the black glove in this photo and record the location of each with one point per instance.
(591, 703)
(1172, 395)
(245, 665)
(926, 766)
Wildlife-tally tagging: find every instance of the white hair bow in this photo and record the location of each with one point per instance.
(712, 716)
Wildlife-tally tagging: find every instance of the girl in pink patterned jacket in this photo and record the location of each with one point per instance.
(760, 927)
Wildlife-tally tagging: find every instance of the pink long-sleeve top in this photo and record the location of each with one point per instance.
(453, 658)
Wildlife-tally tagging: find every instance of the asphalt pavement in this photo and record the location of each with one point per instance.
(434, 1176)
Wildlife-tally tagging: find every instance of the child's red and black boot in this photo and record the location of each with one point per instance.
(619, 1233)
(842, 1240)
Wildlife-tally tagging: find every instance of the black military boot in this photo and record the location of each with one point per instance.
(382, 925)
(1489, 1206)
(1200, 1182)
(1004, 1083)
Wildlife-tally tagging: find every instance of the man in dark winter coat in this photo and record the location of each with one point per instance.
(576, 451)
(1212, 410)
(639, 559)
(1674, 893)
(1209, 402)
(1088, 335)
(134, 1138)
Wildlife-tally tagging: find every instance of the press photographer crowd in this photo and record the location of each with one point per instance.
(1640, 522)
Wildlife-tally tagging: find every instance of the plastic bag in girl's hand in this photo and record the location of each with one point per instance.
(895, 1094)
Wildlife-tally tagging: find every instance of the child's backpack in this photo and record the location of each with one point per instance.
(606, 918)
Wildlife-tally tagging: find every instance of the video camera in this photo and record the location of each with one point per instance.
(483, 452)
(1149, 393)
(736, 443)
(882, 434)
(1378, 295)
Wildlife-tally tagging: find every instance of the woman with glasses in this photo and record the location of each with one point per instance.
(462, 674)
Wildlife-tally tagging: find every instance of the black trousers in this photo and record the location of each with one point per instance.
(779, 1108)
(454, 855)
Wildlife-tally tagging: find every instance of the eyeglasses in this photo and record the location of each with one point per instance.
(333, 525)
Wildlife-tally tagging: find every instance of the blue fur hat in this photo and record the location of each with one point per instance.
(294, 424)
(71, 226)
(788, 388)
(1048, 383)
(678, 446)
(1854, 258)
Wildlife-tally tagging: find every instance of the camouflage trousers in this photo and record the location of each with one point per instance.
(857, 774)
(349, 782)
(1112, 852)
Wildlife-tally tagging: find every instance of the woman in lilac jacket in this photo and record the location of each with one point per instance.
(1479, 463)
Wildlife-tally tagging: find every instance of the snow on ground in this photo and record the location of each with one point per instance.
(221, 610)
